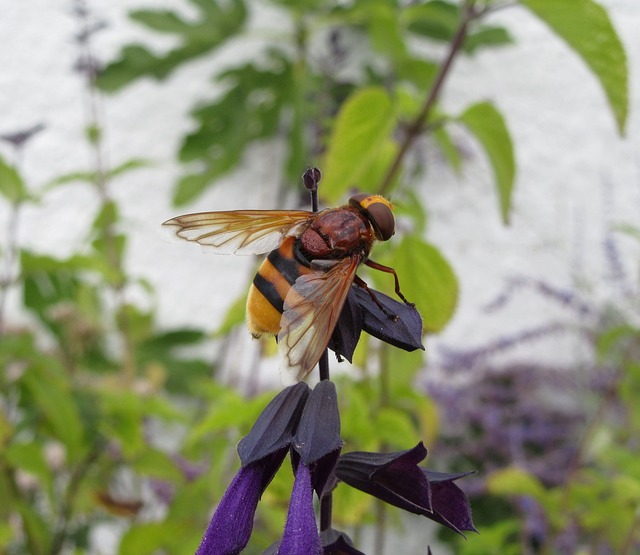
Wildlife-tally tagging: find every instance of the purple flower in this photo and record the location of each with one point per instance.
(261, 451)
(300, 531)
(314, 453)
(305, 423)
(230, 528)
(397, 479)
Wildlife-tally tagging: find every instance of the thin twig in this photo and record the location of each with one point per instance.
(418, 124)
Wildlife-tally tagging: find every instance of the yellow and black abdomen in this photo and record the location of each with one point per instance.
(270, 286)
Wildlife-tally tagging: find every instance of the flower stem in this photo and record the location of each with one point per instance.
(326, 510)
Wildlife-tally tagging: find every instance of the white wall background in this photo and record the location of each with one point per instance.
(566, 145)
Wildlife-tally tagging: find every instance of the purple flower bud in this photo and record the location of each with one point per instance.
(317, 441)
(310, 179)
(276, 424)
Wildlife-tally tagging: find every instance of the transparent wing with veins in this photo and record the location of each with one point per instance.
(239, 231)
(311, 311)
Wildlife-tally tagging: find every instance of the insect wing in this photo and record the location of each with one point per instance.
(239, 231)
(311, 310)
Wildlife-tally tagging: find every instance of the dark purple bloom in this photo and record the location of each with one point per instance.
(361, 312)
(300, 420)
(300, 531)
(261, 451)
(276, 425)
(397, 479)
(314, 454)
(317, 441)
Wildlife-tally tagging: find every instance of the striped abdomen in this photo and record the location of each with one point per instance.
(270, 286)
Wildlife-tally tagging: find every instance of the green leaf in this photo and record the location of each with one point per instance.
(154, 537)
(12, 186)
(54, 399)
(410, 206)
(38, 535)
(586, 27)
(448, 147)
(218, 21)
(486, 36)
(129, 165)
(515, 481)
(362, 128)
(189, 187)
(436, 19)
(384, 32)
(426, 279)
(629, 230)
(156, 464)
(30, 458)
(123, 421)
(251, 109)
(234, 317)
(93, 133)
(7, 535)
(501, 538)
(489, 128)
(92, 177)
(162, 21)
(394, 426)
(421, 73)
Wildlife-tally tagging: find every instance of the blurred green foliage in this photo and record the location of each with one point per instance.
(92, 383)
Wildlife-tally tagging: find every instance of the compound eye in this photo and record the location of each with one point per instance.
(382, 219)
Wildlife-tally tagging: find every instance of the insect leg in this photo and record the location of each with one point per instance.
(386, 269)
(363, 284)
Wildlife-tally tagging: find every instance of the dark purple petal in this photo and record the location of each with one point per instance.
(375, 461)
(397, 479)
(449, 503)
(404, 332)
(317, 441)
(275, 426)
(230, 528)
(318, 432)
(335, 542)
(300, 530)
(393, 477)
(346, 334)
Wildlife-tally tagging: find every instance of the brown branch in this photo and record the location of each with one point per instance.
(417, 126)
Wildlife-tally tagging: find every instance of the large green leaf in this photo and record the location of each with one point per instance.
(362, 128)
(251, 109)
(427, 280)
(587, 28)
(11, 185)
(53, 396)
(218, 22)
(488, 126)
(515, 481)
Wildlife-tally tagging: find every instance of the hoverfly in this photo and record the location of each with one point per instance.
(300, 289)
